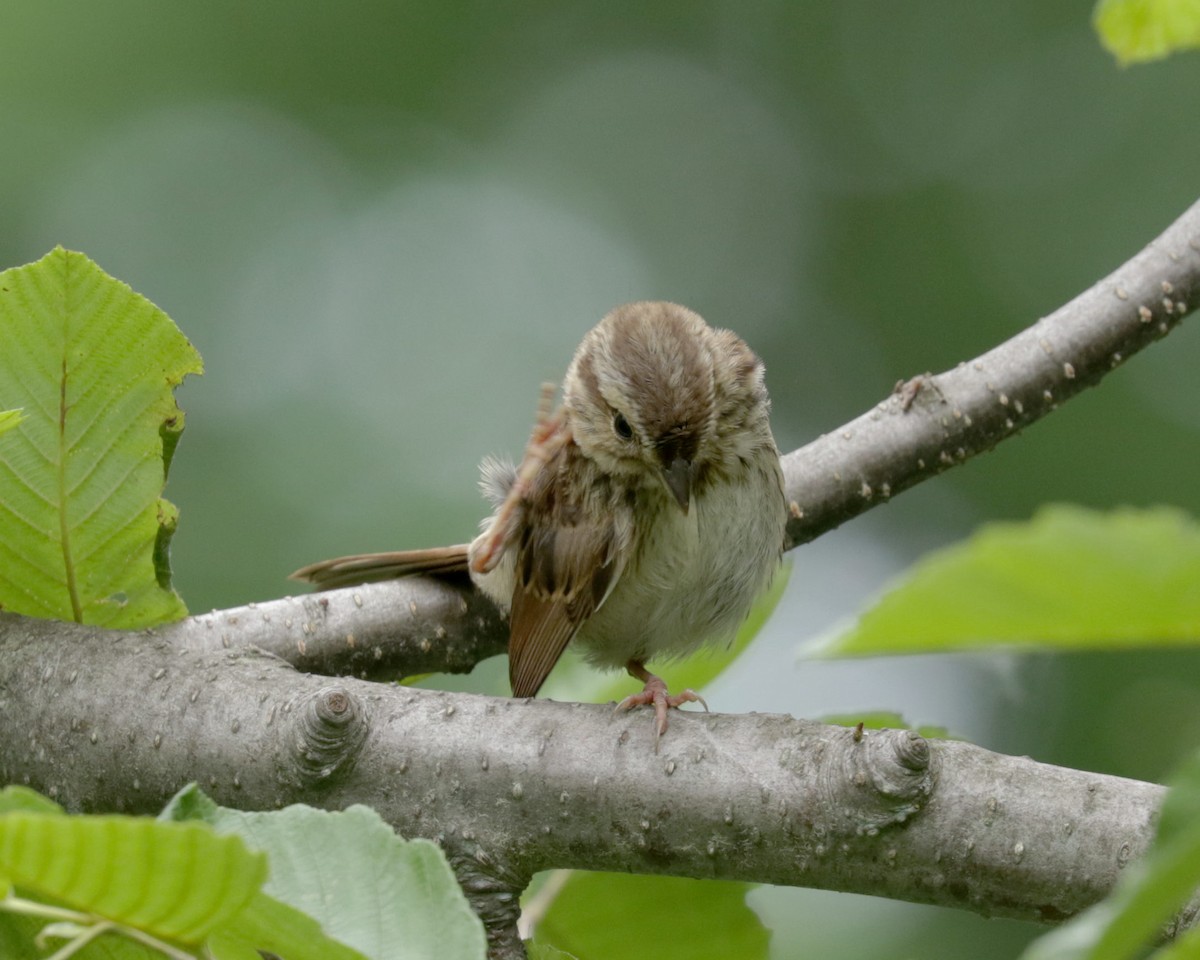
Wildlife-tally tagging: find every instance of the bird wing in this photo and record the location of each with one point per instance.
(565, 567)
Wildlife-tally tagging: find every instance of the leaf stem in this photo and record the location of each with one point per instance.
(63, 524)
(91, 928)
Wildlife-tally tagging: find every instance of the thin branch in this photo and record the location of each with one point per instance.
(937, 422)
(379, 631)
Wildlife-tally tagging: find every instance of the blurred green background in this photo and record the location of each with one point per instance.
(383, 225)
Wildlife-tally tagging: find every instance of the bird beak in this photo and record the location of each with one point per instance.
(678, 476)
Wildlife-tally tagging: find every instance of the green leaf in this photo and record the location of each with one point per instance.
(19, 938)
(1186, 947)
(543, 951)
(17, 798)
(1069, 579)
(886, 720)
(83, 531)
(16, 939)
(392, 899)
(1135, 31)
(1148, 892)
(267, 924)
(191, 803)
(608, 915)
(9, 419)
(176, 881)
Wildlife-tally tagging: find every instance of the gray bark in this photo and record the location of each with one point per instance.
(511, 787)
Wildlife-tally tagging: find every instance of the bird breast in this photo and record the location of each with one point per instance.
(693, 576)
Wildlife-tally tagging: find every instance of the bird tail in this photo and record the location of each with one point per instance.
(369, 567)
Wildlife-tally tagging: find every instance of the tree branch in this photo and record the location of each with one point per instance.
(933, 423)
(378, 631)
(511, 787)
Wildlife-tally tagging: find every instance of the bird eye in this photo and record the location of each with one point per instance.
(621, 427)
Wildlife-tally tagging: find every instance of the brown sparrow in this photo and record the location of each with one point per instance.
(646, 516)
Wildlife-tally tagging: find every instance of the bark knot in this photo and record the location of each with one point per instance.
(330, 732)
(888, 774)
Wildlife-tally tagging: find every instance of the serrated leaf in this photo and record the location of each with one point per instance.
(1135, 31)
(83, 531)
(176, 881)
(1069, 579)
(605, 916)
(392, 899)
(1147, 893)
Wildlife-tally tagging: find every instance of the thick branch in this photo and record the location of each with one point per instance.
(511, 787)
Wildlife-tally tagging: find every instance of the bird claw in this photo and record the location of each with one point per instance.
(655, 694)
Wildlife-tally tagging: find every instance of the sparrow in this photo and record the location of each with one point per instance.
(644, 518)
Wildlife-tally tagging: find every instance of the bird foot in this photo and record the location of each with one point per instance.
(655, 694)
